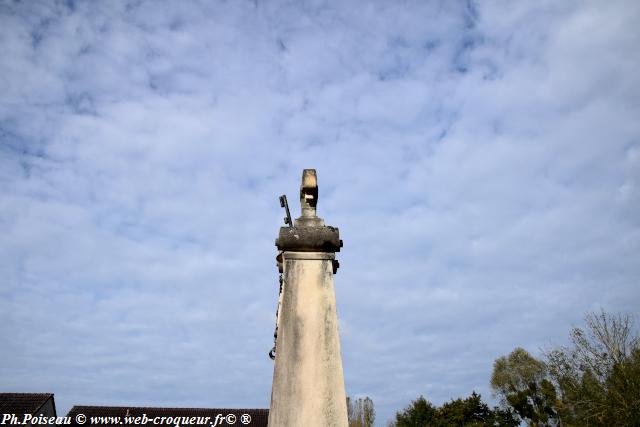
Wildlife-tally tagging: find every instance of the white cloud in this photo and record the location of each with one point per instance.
(481, 162)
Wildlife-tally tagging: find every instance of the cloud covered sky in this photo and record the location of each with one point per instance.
(482, 161)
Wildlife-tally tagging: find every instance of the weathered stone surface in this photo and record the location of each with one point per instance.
(308, 381)
(309, 239)
(309, 200)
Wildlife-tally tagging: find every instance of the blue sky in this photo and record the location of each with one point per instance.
(482, 160)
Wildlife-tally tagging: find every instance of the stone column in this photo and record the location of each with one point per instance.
(308, 382)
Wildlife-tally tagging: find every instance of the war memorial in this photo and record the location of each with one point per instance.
(308, 381)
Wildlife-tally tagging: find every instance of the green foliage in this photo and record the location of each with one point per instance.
(361, 412)
(598, 375)
(623, 391)
(516, 371)
(469, 412)
(472, 411)
(593, 382)
(522, 383)
(419, 413)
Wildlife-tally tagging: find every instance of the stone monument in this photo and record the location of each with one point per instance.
(308, 382)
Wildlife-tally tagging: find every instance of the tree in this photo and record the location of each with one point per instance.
(598, 375)
(472, 411)
(469, 412)
(418, 414)
(361, 413)
(522, 383)
(623, 386)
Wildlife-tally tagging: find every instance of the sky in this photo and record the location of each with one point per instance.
(481, 160)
